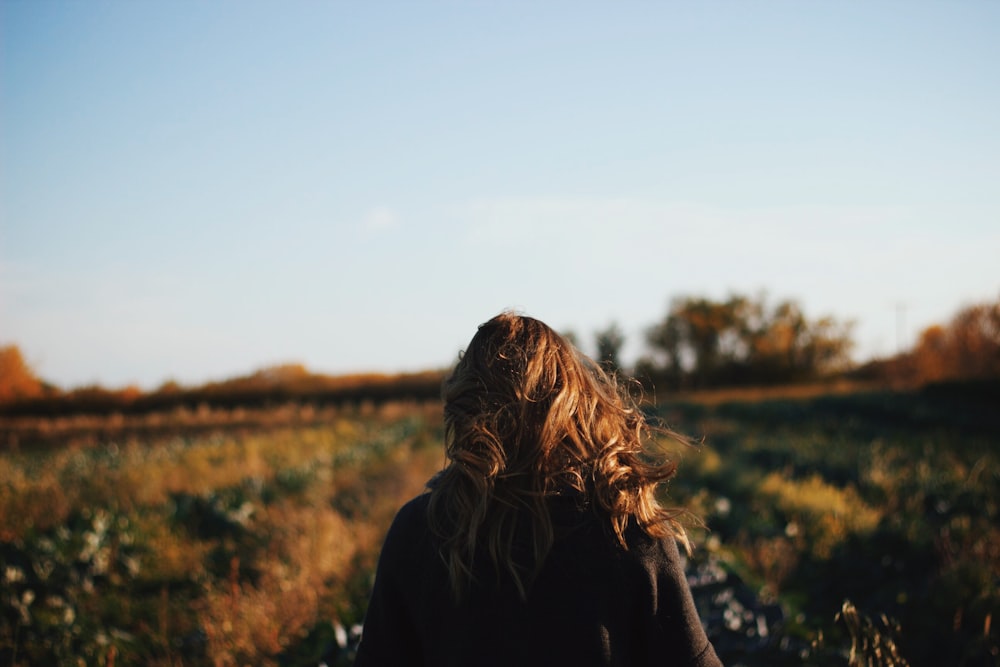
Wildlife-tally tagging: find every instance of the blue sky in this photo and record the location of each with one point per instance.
(196, 190)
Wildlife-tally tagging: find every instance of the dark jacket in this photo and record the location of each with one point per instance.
(593, 603)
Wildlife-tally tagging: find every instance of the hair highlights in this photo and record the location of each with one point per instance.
(528, 417)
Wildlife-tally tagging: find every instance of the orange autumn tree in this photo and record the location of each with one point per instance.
(968, 347)
(16, 378)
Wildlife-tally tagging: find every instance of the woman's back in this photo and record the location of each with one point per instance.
(592, 603)
(542, 541)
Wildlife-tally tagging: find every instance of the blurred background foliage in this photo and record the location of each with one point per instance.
(700, 343)
(849, 517)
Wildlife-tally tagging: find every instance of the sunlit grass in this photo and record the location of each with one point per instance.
(246, 545)
(239, 545)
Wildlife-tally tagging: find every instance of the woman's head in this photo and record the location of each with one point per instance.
(527, 417)
(517, 407)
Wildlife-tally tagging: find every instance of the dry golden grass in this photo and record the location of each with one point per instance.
(821, 513)
(311, 556)
(307, 508)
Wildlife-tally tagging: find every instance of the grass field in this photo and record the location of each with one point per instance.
(251, 539)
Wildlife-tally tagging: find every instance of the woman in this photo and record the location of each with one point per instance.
(541, 542)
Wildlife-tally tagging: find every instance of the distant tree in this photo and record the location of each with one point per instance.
(130, 394)
(169, 388)
(699, 338)
(968, 347)
(702, 342)
(666, 341)
(787, 346)
(609, 342)
(16, 378)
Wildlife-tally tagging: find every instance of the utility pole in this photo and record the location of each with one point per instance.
(900, 325)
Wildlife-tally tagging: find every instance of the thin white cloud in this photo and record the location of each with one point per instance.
(380, 218)
(636, 231)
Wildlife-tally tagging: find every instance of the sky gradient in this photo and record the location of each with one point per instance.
(192, 191)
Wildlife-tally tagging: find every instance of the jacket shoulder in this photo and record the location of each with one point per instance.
(409, 526)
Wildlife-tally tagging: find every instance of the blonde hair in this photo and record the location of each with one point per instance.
(528, 417)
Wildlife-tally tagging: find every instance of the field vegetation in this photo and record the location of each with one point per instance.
(848, 519)
(226, 547)
(256, 545)
(886, 500)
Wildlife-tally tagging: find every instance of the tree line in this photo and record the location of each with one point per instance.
(741, 340)
(271, 386)
(965, 348)
(700, 343)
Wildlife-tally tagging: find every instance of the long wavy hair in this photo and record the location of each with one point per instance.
(528, 417)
